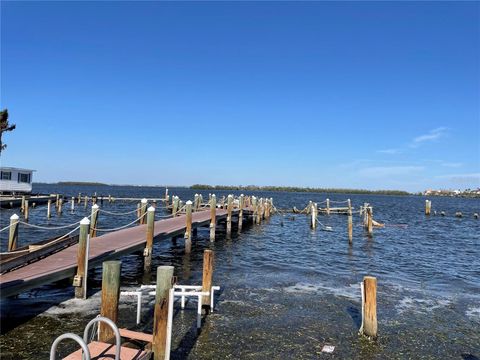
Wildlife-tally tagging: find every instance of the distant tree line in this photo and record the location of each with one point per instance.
(296, 189)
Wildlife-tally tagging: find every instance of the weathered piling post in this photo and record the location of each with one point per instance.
(241, 204)
(49, 209)
(259, 211)
(22, 205)
(72, 204)
(80, 280)
(57, 200)
(213, 216)
(309, 207)
(143, 210)
(313, 216)
(328, 206)
(195, 202)
(109, 198)
(147, 253)
(94, 221)
(428, 207)
(85, 201)
(370, 220)
(188, 227)
(160, 316)
(167, 197)
(110, 295)
(13, 234)
(138, 211)
(254, 206)
(79, 199)
(207, 282)
(60, 206)
(369, 306)
(229, 215)
(175, 205)
(350, 222)
(26, 210)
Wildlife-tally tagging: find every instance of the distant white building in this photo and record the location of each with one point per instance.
(15, 180)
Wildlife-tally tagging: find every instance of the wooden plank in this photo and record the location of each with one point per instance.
(135, 335)
(99, 350)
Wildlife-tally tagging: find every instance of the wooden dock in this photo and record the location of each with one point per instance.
(10, 202)
(63, 264)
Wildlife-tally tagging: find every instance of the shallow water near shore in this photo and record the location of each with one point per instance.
(286, 290)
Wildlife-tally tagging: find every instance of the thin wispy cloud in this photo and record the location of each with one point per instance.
(452, 164)
(390, 151)
(386, 171)
(432, 135)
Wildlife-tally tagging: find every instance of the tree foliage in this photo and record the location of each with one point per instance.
(4, 126)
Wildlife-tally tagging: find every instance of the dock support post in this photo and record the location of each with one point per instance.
(160, 316)
(80, 280)
(254, 205)
(143, 210)
(369, 307)
(79, 200)
(196, 202)
(13, 234)
(110, 295)
(94, 221)
(60, 206)
(207, 282)
(147, 253)
(241, 203)
(57, 200)
(328, 206)
(213, 216)
(309, 207)
(188, 227)
(49, 209)
(167, 198)
(428, 207)
(370, 220)
(175, 205)
(72, 204)
(350, 222)
(313, 216)
(259, 211)
(26, 210)
(22, 207)
(85, 201)
(229, 215)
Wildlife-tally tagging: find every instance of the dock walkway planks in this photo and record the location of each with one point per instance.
(113, 245)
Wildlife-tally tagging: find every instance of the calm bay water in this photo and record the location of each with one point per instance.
(286, 290)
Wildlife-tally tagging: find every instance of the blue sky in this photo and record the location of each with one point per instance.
(377, 95)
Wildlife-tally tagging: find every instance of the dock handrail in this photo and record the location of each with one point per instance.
(72, 336)
(114, 328)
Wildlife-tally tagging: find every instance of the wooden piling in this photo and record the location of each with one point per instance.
(160, 316)
(259, 211)
(196, 203)
(85, 201)
(213, 216)
(328, 206)
(175, 205)
(369, 307)
(167, 197)
(147, 253)
(49, 209)
(313, 216)
(57, 200)
(22, 206)
(110, 295)
(207, 282)
(80, 281)
(26, 210)
(350, 222)
(241, 204)
(370, 220)
(13, 234)
(229, 215)
(143, 210)
(428, 207)
(60, 206)
(72, 204)
(188, 227)
(79, 199)
(94, 220)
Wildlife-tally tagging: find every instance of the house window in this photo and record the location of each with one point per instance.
(6, 175)
(23, 178)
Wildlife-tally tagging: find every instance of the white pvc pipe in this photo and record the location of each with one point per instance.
(87, 252)
(169, 324)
